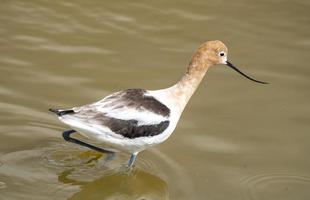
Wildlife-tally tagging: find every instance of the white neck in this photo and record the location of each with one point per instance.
(183, 90)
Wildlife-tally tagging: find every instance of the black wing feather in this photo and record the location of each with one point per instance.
(61, 112)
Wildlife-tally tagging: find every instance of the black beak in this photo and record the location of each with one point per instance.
(243, 74)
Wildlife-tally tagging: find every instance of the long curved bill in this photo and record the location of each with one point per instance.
(243, 74)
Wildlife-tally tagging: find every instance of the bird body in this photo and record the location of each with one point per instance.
(128, 124)
(133, 120)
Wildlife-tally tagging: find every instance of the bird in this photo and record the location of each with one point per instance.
(134, 120)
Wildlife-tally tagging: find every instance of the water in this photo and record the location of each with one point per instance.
(236, 139)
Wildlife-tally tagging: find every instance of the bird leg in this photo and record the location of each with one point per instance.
(132, 159)
(110, 154)
(66, 136)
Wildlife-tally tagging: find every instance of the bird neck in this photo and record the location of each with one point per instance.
(185, 88)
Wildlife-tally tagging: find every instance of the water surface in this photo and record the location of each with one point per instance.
(236, 139)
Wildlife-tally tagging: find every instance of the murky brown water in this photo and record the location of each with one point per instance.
(236, 140)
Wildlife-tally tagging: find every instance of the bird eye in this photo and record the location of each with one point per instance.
(222, 53)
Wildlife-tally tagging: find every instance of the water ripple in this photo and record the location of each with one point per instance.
(13, 61)
(273, 183)
(2, 185)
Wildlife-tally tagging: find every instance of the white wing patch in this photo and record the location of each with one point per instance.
(118, 108)
(144, 117)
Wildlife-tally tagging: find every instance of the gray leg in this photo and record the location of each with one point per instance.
(66, 136)
(109, 157)
(132, 159)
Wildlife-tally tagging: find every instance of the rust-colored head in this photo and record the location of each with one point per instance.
(212, 53)
(208, 54)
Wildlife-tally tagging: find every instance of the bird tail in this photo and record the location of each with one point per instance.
(61, 112)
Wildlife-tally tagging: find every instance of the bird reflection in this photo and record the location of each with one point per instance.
(117, 184)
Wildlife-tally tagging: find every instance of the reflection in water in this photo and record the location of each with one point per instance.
(82, 168)
(136, 184)
(81, 175)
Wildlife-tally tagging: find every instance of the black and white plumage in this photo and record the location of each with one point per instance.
(129, 120)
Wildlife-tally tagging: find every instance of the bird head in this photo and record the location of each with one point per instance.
(213, 53)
